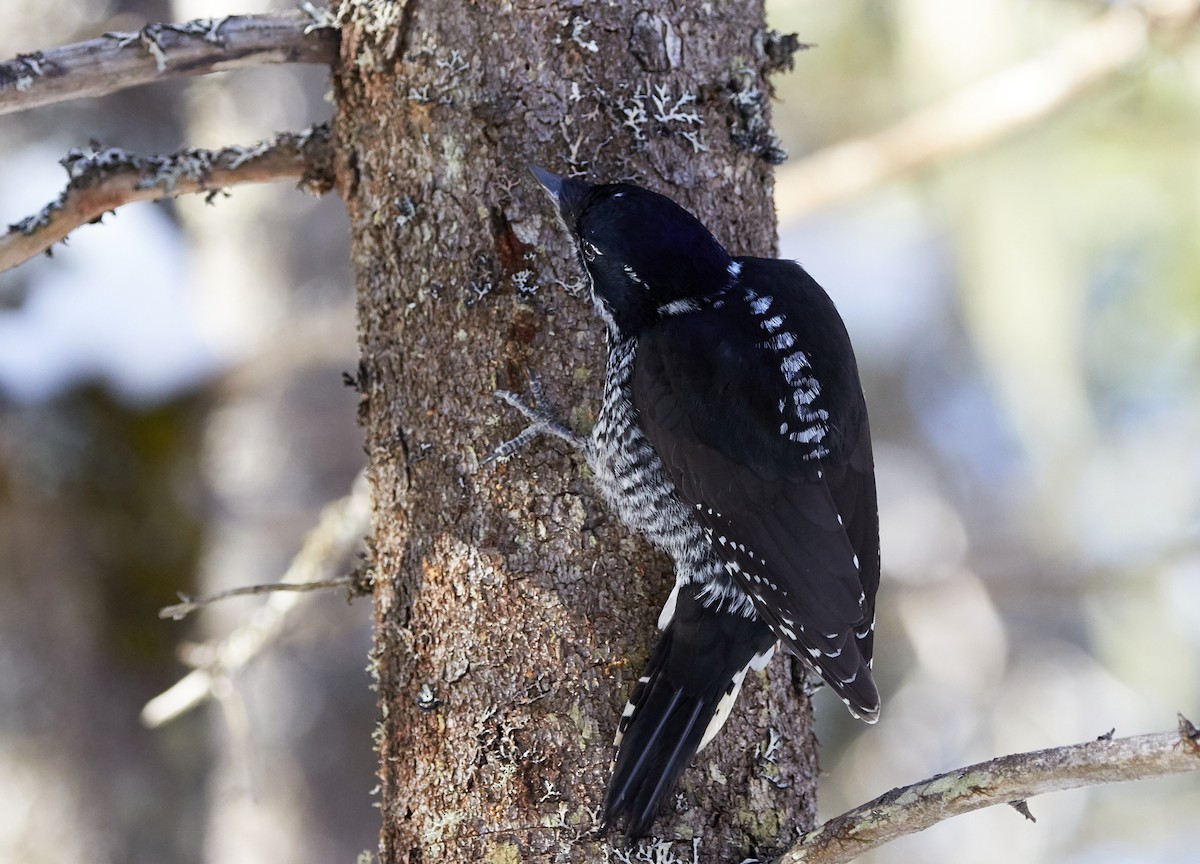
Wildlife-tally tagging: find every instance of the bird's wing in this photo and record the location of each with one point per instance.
(754, 406)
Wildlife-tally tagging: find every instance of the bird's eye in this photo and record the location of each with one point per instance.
(589, 250)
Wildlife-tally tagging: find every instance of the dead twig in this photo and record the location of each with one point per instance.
(190, 603)
(158, 52)
(107, 178)
(1006, 780)
(339, 529)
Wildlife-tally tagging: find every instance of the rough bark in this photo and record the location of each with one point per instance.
(513, 612)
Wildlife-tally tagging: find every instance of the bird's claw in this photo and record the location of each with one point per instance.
(541, 422)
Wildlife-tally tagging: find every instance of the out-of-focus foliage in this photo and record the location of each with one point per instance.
(1028, 318)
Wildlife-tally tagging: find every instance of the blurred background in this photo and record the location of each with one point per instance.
(1021, 275)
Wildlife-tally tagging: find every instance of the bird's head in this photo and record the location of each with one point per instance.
(640, 249)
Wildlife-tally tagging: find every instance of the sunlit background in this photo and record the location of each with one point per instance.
(1026, 310)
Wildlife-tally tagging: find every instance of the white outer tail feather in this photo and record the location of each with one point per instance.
(758, 662)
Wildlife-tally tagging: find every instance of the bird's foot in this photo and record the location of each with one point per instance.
(541, 422)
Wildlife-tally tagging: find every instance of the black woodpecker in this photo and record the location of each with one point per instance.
(733, 434)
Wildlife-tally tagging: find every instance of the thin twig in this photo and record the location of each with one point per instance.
(158, 52)
(104, 180)
(190, 603)
(1001, 104)
(339, 529)
(1007, 780)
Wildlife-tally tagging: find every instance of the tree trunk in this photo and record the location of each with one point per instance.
(513, 613)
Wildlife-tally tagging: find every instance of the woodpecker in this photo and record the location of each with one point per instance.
(733, 434)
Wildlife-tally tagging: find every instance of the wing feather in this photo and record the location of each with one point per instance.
(792, 495)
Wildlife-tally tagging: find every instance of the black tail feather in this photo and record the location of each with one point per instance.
(649, 801)
(652, 756)
(689, 684)
(643, 748)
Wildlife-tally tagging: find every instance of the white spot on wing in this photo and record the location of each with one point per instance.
(758, 305)
(808, 435)
(677, 307)
(805, 397)
(793, 363)
(782, 341)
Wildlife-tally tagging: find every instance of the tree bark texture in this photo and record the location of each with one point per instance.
(514, 613)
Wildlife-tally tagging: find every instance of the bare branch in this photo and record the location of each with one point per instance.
(106, 179)
(339, 529)
(159, 52)
(190, 603)
(1001, 104)
(1007, 780)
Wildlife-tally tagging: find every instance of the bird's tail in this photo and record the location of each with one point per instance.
(680, 702)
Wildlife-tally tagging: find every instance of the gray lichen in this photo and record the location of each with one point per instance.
(749, 127)
(578, 25)
(322, 17)
(151, 36)
(673, 115)
(23, 70)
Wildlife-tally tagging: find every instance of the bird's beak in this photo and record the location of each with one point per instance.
(567, 192)
(551, 182)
